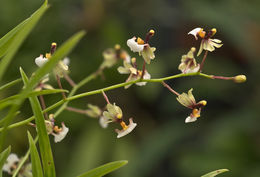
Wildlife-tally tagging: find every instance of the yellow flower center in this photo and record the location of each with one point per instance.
(122, 55)
(140, 41)
(123, 125)
(196, 113)
(139, 73)
(202, 33)
(48, 55)
(57, 129)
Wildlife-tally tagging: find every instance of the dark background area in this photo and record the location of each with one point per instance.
(226, 136)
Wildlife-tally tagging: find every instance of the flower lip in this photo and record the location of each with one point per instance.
(40, 61)
(193, 116)
(61, 133)
(134, 46)
(195, 32)
(11, 162)
(190, 119)
(126, 129)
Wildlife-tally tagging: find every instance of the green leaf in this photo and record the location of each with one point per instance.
(17, 41)
(35, 159)
(3, 157)
(215, 173)
(44, 142)
(10, 84)
(7, 39)
(104, 169)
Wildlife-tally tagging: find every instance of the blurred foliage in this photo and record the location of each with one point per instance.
(227, 134)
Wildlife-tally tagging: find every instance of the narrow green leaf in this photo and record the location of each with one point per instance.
(3, 157)
(20, 37)
(215, 173)
(10, 84)
(7, 39)
(44, 142)
(35, 159)
(104, 169)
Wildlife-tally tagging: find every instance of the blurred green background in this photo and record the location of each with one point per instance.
(226, 136)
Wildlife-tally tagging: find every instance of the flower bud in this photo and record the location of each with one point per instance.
(239, 79)
(117, 47)
(151, 32)
(133, 60)
(203, 102)
(213, 31)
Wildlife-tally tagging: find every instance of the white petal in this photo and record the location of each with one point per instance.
(103, 121)
(40, 61)
(130, 128)
(194, 32)
(134, 46)
(66, 61)
(61, 135)
(190, 119)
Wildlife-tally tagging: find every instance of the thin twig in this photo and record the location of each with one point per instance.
(106, 98)
(203, 60)
(60, 86)
(169, 88)
(69, 80)
(143, 71)
(80, 111)
(43, 105)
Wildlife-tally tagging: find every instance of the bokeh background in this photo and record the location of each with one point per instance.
(226, 136)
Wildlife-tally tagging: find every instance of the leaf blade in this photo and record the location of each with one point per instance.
(44, 143)
(35, 159)
(215, 173)
(7, 39)
(104, 169)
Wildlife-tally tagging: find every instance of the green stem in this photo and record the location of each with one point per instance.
(10, 84)
(98, 91)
